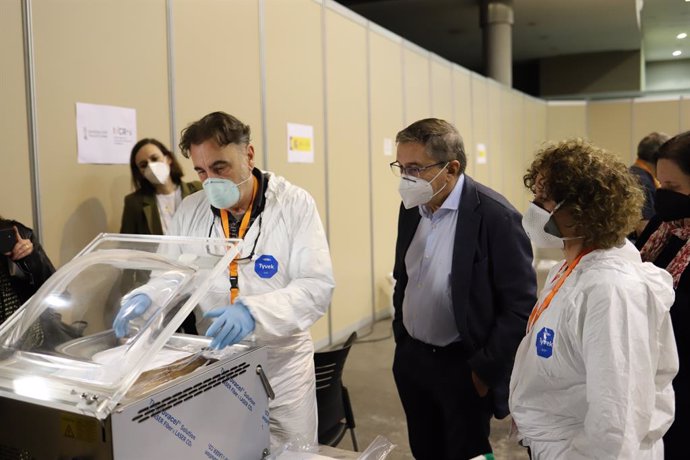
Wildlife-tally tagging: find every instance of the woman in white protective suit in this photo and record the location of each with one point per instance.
(282, 282)
(592, 377)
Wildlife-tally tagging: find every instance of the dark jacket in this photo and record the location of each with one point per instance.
(33, 269)
(646, 180)
(493, 283)
(680, 311)
(140, 215)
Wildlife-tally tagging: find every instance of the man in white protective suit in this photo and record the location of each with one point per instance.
(279, 285)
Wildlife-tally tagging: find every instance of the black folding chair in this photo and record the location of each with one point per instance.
(333, 400)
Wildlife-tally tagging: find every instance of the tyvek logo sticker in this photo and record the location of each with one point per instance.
(266, 266)
(545, 342)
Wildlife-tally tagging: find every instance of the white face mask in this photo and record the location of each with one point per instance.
(415, 191)
(157, 172)
(542, 229)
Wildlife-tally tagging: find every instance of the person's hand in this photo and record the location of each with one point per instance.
(22, 248)
(130, 308)
(232, 324)
(482, 389)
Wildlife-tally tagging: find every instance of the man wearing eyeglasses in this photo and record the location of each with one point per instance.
(282, 282)
(464, 289)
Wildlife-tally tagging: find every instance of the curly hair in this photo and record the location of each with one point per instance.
(597, 189)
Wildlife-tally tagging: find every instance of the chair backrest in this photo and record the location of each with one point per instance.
(329, 386)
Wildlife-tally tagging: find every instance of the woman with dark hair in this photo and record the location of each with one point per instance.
(157, 180)
(23, 269)
(592, 377)
(666, 242)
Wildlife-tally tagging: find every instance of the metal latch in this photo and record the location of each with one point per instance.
(265, 382)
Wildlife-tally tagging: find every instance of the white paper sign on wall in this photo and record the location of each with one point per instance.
(105, 134)
(481, 154)
(388, 147)
(300, 143)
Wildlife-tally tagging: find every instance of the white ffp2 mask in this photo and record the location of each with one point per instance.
(415, 191)
(533, 221)
(157, 172)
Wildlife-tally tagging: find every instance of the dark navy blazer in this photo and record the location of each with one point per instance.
(493, 283)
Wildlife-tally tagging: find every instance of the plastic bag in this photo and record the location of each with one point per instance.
(379, 449)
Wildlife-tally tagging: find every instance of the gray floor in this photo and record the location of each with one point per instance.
(376, 405)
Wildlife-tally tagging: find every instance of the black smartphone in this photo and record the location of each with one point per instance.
(8, 238)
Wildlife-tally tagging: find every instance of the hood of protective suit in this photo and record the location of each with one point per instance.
(627, 258)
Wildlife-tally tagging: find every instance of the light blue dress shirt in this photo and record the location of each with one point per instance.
(428, 303)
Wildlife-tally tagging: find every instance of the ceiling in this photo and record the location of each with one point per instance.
(542, 28)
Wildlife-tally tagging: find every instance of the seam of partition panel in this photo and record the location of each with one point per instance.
(631, 154)
(587, 133)
(500, 172)
(171, 74)
(452, 98)
(32, 128)
(548, 120)
(431, 90)
(324, 68)
(372, 257)
(490, 147)
(262, 83)
(404, 83)
(474, 138)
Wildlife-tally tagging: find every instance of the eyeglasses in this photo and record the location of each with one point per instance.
(240, 259)
(400, 170)
(258, 234)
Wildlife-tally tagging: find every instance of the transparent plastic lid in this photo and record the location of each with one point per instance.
(61, 346)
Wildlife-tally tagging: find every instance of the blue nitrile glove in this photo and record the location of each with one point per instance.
(131, 308)
(232, 324)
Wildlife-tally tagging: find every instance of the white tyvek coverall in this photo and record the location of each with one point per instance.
(605, 392)
(285, 305)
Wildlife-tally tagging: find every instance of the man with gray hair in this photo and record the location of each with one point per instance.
(464, 289)
(644, 169)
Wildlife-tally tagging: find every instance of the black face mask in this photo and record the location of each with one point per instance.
(671, 205)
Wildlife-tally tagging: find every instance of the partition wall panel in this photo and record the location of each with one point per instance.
(609, 125)
(294, 94)
(93, 52)
(349, 187)
(535, 116)
(462, 112)
(495, 123)
(566, 119)
(416, 79)
(294, 89)
(480, 128)
(685, 113)
(15, 186)
(652, 114)
(498, 121)
(386, 119)
(441, 82)
(514, 147)
(211, 72)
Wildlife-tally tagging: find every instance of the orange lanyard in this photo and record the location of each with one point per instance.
(643, 166)
(232, 268)
(539, 309)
